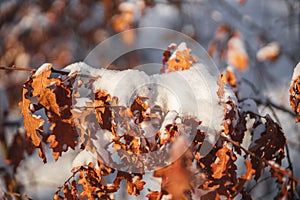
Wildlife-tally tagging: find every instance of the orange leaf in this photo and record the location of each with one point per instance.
(176, 177)
(249, 171)
(236, 53)
(181, 59)
(48, 99)
(154, 195)
(32, 123)
(229, 78)
(269, 52)
(220, 165)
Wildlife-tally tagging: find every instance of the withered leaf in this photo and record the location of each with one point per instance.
(154, 195)
(64, 136)
(249, 171)
(32, 124)
(220, 165)
(175, 173)
(16, 151)
(181, 61)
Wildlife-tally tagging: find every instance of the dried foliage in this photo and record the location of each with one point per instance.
(47, 102)
(47, 92)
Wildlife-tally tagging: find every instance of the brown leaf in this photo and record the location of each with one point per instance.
(41, 81)
(154, 195)
(175, 173)
(16, 151)
(88, 189)
(64, 136)
(102, 110)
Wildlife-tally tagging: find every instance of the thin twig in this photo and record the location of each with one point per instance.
(17, 69)
(268, 102)
(72, 176)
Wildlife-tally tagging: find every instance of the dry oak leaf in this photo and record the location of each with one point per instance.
(102, 109)
(16, 151)
(88, 189)
(236, 53)
(40, 82)
(181, 59)
(154, 195)
(269, 52)
(32, 123)
(220, 164)
(64, 136)
(229, 78)
(135, 185)
(176, 177)
(219, 44)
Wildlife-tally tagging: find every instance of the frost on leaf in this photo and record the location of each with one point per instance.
(295, 92)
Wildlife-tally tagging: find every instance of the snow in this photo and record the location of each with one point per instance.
(189, 92)
(42, 68)
(83, 158)
(296, 73)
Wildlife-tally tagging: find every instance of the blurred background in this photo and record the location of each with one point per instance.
(264, 34)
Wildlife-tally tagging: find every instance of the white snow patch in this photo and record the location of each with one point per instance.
(42, 68)
(83, 158)
(296, 73)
